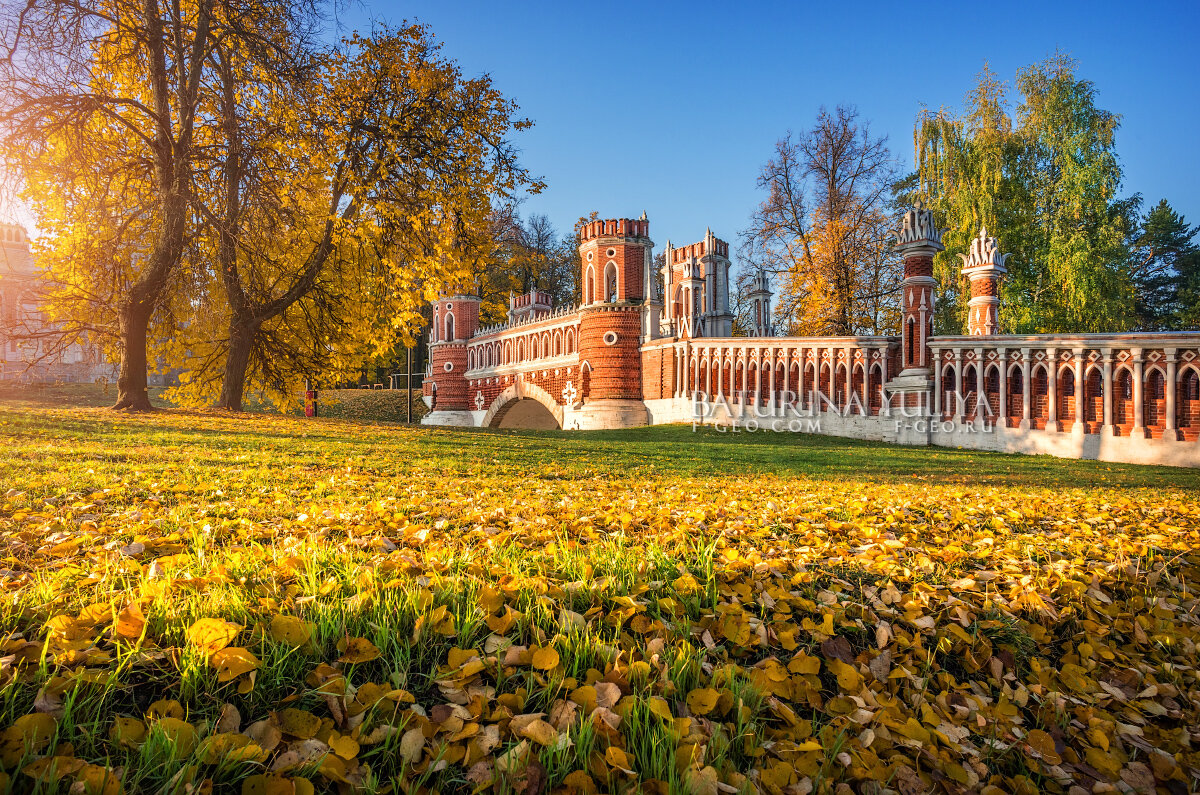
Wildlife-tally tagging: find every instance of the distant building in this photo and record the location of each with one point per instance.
(31, 351)
(629, 357)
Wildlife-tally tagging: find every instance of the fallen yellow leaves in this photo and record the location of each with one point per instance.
(357, 650)
(343, 626)
(544, 659)
(210, 635)
(233, 662)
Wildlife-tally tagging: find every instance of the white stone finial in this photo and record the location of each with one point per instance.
(918, 229)
(984, 252)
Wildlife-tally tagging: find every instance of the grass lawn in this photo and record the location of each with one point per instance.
(252, 603)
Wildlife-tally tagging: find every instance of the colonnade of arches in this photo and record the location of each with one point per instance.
(526, 347)
(793, 377)
(1127, 398)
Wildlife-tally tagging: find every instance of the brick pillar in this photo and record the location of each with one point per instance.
(939, 388)
(1170, 432)
(1079, 355)
(800, 379)
(1027, 386)
(980, 391)
(917, 241)
(1052, 390)
(983, 264)
(1139, 420)
(1108, 426)
(959, 397)
(1002, 357)
(917, 317)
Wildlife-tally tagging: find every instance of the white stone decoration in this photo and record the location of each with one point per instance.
(984, 253)
(479, 401)
(918, 229)
(569, 393)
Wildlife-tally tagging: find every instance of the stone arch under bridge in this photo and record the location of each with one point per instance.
(524, 405)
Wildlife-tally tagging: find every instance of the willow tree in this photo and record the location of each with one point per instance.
(1044, 179)
(339, 203)
(100, 107)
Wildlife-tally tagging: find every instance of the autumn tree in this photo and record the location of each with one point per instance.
(100, 109)
(520, 255)
(1044, 179)
(344, 201)
(823, 229)
(544, 259)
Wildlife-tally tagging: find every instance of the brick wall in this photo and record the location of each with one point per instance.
(616, 369)
(1187, 408)
(552, 380)
(631, 262)
(983, 288)
(658, 373)
(451, 392)
(1039, 405)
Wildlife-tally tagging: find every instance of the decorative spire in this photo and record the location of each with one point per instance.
(984, 253)
(918, 229)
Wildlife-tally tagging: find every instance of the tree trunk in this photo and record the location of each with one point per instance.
(237, 361)
(131, 381)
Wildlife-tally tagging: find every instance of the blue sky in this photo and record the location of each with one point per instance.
(673, 107)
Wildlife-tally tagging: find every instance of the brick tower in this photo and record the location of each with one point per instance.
(616, 262)
(696, 280)
(917, 241)
(983, 264)
(455, 321)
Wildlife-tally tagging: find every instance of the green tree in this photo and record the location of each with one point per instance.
(1044, 179)
(966, 175)
(1165, 267)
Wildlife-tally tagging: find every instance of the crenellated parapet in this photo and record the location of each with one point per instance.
(615, 227)
(696, 251)
(615, 256)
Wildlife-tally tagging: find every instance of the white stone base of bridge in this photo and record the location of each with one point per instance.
(456, 419)
(920, 431)
(602, 415)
